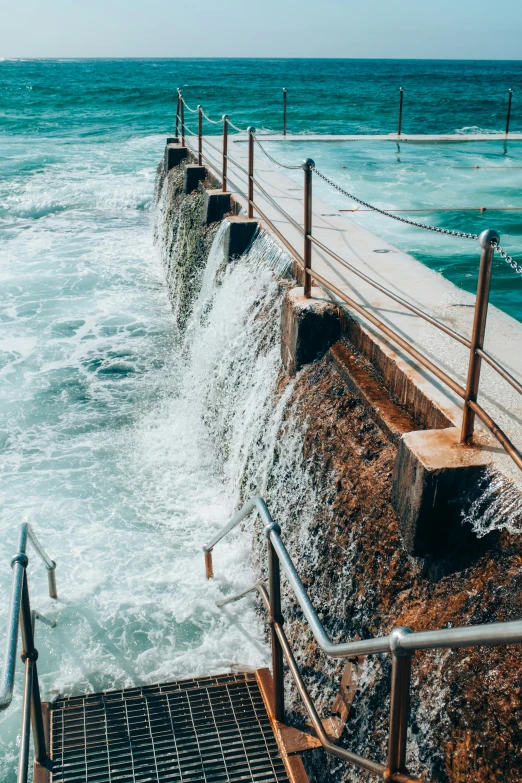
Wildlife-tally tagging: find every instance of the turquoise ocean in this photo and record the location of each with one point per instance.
(103, 447)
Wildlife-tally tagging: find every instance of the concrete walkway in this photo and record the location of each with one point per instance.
(408, 278)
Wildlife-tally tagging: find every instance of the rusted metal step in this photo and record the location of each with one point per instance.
(211, 729)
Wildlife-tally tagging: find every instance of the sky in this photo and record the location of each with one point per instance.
(445, 29)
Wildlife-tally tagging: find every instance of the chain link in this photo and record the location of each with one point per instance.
(190, 131)
(193, 111)
(283, 165)
(508, 259)
(448, 231)
(461, 234)
(239, 130)
(214, 122)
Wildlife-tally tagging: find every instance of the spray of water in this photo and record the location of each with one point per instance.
(130, 445)
(498, 507)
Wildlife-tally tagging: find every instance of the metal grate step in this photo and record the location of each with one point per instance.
(211, 729)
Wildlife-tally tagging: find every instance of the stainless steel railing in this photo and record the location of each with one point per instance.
(488, 242)
(20, 614)
(401, 643)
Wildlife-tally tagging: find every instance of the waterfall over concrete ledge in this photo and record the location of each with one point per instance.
(323, 458)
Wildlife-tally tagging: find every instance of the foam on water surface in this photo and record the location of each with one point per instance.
(108, 424)
(122, 444)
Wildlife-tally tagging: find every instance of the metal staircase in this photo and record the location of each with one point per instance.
(208, 730)
(227, 728)
(216, 729)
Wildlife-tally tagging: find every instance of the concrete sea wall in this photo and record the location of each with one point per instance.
(317, 435)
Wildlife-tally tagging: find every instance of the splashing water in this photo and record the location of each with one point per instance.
(499, 506)
(126, 446)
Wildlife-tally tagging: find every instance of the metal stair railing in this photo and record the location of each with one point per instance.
(20, 614)
(401, 644)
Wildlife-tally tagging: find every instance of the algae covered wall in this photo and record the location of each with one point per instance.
(184, 243)
(313, 451)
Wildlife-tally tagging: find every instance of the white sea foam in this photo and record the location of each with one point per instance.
(498, 507)
(108, 430)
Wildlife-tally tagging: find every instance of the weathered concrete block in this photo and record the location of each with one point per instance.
(217, 205)
(435, 480)
(174, 154)
(193, 176)
(172, 139)
(309, 327)
(239, 234)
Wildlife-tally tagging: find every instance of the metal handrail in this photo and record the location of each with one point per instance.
(392, 334)
(257, 184)
(401, 643)
(501, 370)
(489, 241)
(19, 564)
(429, 318)
(263, 216)
(20, 615)
(494, 633)
(328, 745)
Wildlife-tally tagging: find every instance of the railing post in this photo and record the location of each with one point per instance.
(29, 656)
(274, 581)
(51, 581)
(177, 116)
(25, 735)
(251, 132)
(200, 135)
(401, 94)
(284, 111)
(209, 569)
(399, 711)
(510, 97)
(479, 327)
(308, 166)
(182, 119)
(225, 151)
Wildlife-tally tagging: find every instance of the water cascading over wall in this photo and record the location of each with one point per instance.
(311, 449)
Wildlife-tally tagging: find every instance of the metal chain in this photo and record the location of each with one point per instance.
(278, 163)
(214, 122)
(508, 259)
(194, 111)
(239, 130)
(190, 131)
(449, 232)
(394, 217)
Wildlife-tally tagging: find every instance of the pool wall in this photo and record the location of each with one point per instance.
(327, 477)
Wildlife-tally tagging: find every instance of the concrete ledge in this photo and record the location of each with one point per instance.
(217, 205)
(406, 382)
(392, 420)
(308, 328)
(172, 139)
(193, 176)
(239, 234)
(174, 155)
(435, 481)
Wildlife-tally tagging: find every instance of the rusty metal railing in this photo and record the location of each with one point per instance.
(284, 110)
(401, 644)
(488, 240)
(21, 616)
